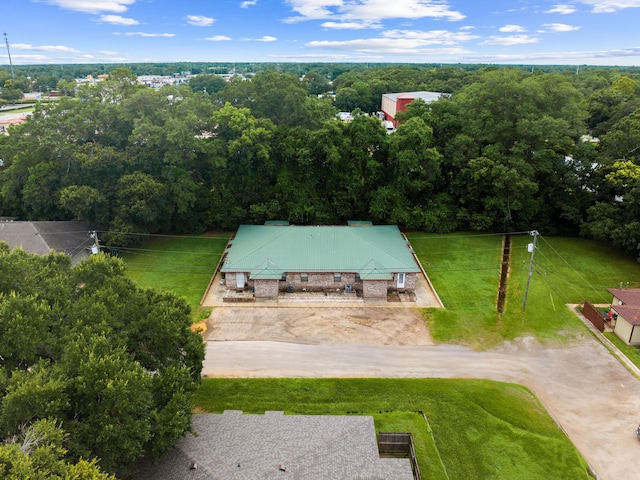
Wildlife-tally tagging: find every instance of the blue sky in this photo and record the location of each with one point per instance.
(593, 32)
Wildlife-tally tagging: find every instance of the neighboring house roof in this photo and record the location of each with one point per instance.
(631, 313)
(70, 237)
(233, 446)
(374, 252)
(628, 296)
(428, 97)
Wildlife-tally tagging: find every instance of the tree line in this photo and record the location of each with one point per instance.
(94, 372)
(511, 149)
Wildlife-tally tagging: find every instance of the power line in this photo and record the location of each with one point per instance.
(571, 267)
(133, 250)
(553, 287)
(455, 235)
(199, 237)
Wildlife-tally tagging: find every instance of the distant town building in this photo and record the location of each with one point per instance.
(159, 81)
(11, 119)
(393, 103)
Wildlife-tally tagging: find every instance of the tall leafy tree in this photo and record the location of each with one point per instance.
(114, 364)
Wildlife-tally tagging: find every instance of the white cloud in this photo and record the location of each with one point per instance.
(557, 57)
(325, 56)
(117, 20)
(29, 59)
(107, 52)
(266, 38)
(313, 9)
(432, 37)
(371, 10)
(510, 40)
(412, 42)
(199, 20)
(385, 46)
(248, 3)
(560, 27)
(43, 48)
(350, 25)
(610, 6)
(562, 9)
(143, 34)
(511, 29)
(218, 38)
(93, 6)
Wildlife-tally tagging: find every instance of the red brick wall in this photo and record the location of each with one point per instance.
(374, 289)
(320, 281)
(265, 288)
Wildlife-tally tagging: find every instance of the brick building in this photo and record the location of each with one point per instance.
(363, 259)
(393, 103)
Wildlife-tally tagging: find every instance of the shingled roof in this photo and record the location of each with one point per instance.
(374, 252)
(631, 313)
(628, 296)
(233, 446)
(70, 237)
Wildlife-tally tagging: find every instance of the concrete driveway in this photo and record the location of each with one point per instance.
(591, 395)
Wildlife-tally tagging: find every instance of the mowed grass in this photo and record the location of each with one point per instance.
(476, 429)
(465, 271)
(180, 264)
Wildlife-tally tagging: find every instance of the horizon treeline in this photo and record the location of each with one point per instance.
(512, 149)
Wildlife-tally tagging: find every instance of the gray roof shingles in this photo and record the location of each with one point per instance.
(274, 446)
(628, 296)
(70, 237)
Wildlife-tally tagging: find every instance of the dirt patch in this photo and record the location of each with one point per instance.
(352, 325)
(199, 327)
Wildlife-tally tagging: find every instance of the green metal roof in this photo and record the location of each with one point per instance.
(375, 252)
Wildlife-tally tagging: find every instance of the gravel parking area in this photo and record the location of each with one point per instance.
(332, 325)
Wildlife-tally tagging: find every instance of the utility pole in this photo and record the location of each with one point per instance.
(95, 248)
(532, 249)
(6, 40)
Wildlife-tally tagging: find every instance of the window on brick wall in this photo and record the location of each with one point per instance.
(284, 276)
(304, 277)
(337, 277)
(357, 279)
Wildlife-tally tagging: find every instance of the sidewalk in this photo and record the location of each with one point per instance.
(622, 358)
(424, 297)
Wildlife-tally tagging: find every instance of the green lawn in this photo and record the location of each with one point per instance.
(465, 269)
(632, 353)
(182, 265)
(476, 429)
(16, 110)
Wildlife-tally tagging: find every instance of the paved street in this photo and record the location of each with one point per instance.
(590, 394)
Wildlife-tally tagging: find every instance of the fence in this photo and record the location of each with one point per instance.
(401, 445)
(593, 315)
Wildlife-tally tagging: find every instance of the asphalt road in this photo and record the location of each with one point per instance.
(590, 394)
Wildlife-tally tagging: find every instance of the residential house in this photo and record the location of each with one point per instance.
(361, 258)
(70, 237)
(233, 446)
(7, 121)
(626, 307)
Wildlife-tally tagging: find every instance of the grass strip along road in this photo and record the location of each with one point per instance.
(476, 428)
